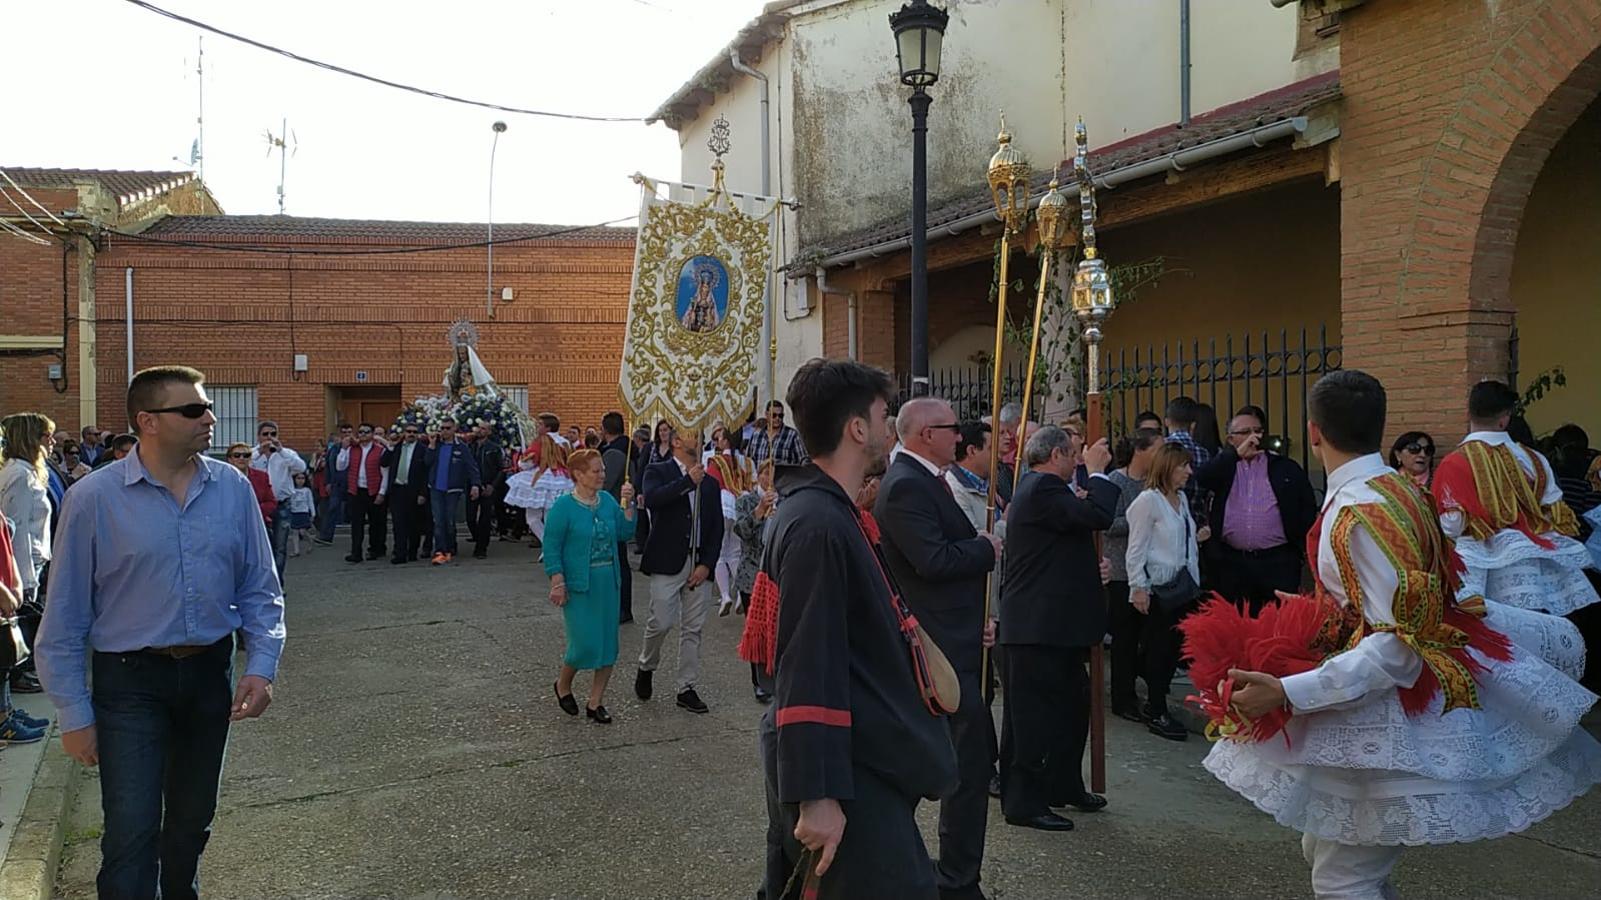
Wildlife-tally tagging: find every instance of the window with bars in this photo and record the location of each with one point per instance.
(517, 394)
(235, 409)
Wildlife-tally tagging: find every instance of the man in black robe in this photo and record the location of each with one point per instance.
(848, 745)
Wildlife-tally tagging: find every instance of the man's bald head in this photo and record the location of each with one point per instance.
(928, 427)
(916, 415)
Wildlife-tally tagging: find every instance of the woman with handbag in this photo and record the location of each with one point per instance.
(1164, 576)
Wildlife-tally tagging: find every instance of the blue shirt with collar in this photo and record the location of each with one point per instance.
(134, 568)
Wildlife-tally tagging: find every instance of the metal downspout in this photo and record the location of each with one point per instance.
(768, 339)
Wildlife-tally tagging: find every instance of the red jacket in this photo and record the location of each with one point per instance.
(263, 488)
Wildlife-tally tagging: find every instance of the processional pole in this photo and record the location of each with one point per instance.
(1049, 219)
(1008, 181)
(1092, 302)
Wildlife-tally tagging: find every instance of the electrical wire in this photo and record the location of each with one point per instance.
(18, 207)
(437, 95)
(30, 238)
(29, 197)
(379, 251)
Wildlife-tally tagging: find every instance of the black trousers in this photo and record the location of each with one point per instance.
(480, 521)
(881, 855)
(1128, 645)
(964, 814)
(1044, 727)
(625, 593)
(1163, 645)
(367, 518)
(410, 518)
(1252, 576)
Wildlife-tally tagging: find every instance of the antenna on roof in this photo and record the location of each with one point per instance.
(287, 143)
(197, 148)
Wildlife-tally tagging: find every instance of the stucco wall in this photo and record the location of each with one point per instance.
(1556, 279)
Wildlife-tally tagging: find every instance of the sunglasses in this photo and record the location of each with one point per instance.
(365, 432)
(268, 434)
(187, 410)
(1419, 448)
(239, 456)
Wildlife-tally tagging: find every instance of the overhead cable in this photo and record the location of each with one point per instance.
(437, 95)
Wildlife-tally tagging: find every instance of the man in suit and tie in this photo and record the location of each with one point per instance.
(407, 498)
(1055, 612)
(614, 452)
(942, 563)
(491, 460)
(686, 533)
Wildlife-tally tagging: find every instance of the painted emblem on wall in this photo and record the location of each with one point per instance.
(702, 300)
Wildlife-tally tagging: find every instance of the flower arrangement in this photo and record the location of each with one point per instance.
(502, 416)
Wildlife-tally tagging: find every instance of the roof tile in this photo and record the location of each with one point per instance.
(304, 229)
(125, 184)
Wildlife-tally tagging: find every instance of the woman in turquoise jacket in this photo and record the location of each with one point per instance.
(582, 531)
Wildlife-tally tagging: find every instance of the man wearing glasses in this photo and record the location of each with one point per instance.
(407, 497)
(281, 465)
(366, 483)
(942, 563)
(159, 615)
(778, 441)
(1262, 509)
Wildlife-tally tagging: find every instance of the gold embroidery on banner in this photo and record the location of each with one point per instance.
(669, 371)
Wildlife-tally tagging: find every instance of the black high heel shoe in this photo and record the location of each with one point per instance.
(568, 704)
(598, 715)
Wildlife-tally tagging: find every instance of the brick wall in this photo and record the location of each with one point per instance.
(1450, 112)
(234, 316)
(31, 306)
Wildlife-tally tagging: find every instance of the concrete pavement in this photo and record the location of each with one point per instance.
(414, 749)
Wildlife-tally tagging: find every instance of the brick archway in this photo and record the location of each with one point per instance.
(1451, 111)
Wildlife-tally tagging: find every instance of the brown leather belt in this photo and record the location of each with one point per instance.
(179, 652)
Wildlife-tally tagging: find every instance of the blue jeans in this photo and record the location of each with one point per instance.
(333, 512)
(162, 726)
(444, 507)
(280, 538)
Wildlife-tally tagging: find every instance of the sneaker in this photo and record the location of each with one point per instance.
(318, 540)
(26, 683)
(725, 607)
(439, 559)
(30, 721)
(691, 701)
(13, 731)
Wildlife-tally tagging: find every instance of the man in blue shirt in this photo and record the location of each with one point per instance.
(452, 471)
(159, 558)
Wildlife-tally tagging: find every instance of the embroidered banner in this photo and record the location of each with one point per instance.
(695, 310)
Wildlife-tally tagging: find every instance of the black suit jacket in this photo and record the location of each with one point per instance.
(1298, 508)
(1052, 589)
(667, 497)
(938, 560)
(417, 477)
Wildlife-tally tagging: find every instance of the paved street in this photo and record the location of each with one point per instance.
(414, 750)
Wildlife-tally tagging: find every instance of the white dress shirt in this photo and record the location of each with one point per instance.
(344, 461)
(281, 468)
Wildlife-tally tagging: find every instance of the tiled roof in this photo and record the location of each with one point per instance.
(302, 229)
(1265, 109)
(127, 186)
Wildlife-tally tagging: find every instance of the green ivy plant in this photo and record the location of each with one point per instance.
(1061, 357)
(1540, 385)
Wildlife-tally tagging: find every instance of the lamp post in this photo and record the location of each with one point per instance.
(919, 32)
(498, 128)
(1092, 302)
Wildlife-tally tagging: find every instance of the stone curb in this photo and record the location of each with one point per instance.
(29, 870)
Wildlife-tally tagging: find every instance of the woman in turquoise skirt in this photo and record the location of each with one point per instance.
(582, 531)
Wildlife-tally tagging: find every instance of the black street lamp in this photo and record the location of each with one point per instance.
(919, 31)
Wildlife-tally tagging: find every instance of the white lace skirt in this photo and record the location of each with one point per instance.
(1594, 543)
(1370, 774)
(1511, 569)
(522, 491)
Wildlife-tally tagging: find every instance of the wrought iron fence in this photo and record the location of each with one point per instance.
(967, 388)
(1226, 374)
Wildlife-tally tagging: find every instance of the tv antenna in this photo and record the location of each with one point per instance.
(197, 148)
(286, 144)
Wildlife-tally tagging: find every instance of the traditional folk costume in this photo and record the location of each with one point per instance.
(1425, 719)
(541, 478)
(848, 721)
(1501, 503)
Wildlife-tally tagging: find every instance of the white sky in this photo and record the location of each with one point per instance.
(105, 84)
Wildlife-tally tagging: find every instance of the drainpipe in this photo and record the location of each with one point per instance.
(1184, 62)
(127, 315)
(768, 340)
(823, 287)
